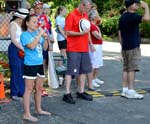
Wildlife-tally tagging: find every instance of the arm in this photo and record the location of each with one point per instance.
(46, 42)
(13, 30)
(97, 35)
(36, 40)
(69, 27)
(146, 16)
(96, 32)
(72, 33)
(61, 31)
(92, 48)
(119, 36)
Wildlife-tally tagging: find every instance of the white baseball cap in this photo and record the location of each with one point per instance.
(84, 25)
(21, 13)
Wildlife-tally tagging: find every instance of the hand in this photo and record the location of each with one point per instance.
(65, 36)
(92, 48)
(143, 4)
(84, 32)
(41, 31)
(45, 35)
(42, 24)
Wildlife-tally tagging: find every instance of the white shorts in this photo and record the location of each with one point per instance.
(96, 56)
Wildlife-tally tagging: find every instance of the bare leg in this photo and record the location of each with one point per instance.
(95, 73)
(82, 82)
(131, 78)
(78, 81)
(90, 78)
(68, 83)
(29, 84)
(63, 52)
(38, 88)
(125, 79)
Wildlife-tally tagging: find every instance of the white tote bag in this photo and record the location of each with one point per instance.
(52, 76)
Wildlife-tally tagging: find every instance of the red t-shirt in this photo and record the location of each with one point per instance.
(76, 43)
(94, 39)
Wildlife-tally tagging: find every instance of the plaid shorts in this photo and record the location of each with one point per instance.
(131, 59)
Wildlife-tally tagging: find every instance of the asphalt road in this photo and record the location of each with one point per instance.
(103, 110)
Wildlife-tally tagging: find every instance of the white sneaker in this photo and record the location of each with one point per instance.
(134, 95)
(98, 81)
(123, 94)
(94, 84)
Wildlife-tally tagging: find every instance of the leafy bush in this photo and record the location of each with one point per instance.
(109, 12)
(4, 67)
(109, 26)
(144, 28)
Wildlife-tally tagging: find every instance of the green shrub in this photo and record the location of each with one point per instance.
(145, 29)
(109, 26)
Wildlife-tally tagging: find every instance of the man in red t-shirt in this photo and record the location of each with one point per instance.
(78, 61)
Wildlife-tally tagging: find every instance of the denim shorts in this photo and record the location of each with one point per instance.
(131, 59)
(78, 63)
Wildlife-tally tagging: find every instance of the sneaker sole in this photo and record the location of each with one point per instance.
(131, 98)
(68, 101)
(135, 98)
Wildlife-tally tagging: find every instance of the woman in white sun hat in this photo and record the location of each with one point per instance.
(16, 62)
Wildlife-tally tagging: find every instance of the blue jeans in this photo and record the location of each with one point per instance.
(17, 85)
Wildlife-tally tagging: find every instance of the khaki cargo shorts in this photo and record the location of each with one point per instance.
(131, 59)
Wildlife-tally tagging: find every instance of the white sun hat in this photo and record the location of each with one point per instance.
(21, 13)
(46, 6)
(84, 25)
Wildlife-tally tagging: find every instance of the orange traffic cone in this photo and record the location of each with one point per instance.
(3, 99)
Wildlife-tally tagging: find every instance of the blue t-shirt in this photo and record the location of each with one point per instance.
(129, 28)
(60, 20)
(32, 56)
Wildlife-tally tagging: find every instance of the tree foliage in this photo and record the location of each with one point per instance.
(108, 10)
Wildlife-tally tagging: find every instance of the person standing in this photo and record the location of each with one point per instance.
(34, 40)
(16, 62)
(96, 55)
(78, 60)
(47, 11)
(130, 43)
(44, 24)
(60, 24)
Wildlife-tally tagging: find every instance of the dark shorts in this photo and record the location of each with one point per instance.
(31, 72)
(131, 59)
(62, 44)
(78, 63)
